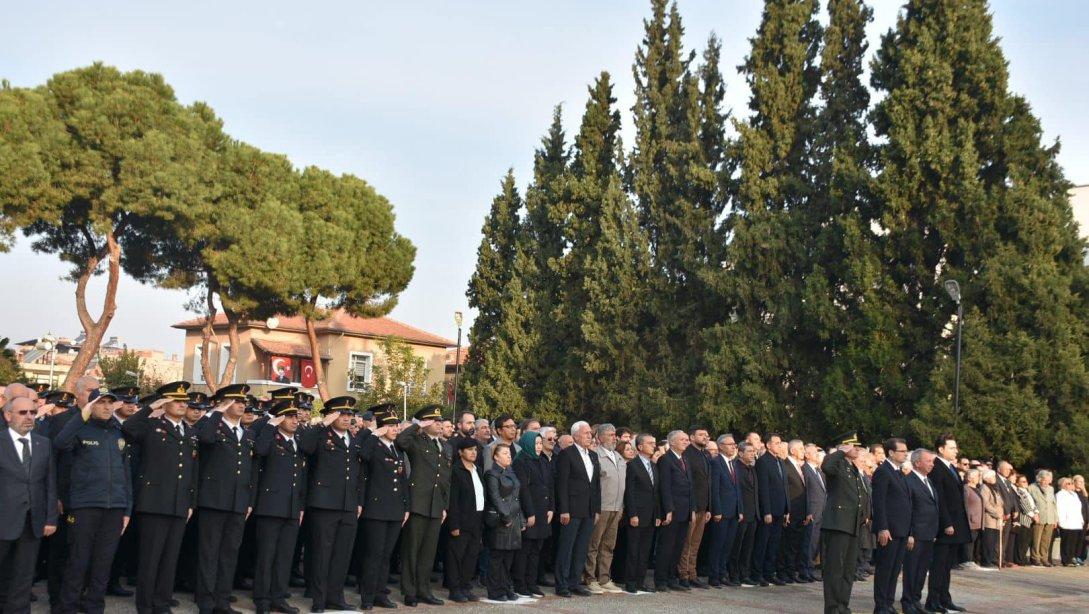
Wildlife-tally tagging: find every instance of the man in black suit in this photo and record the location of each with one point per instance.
(333, 502)
(641, 513)
(924, 529)
(699, 469)
(28, 489)
(224, 497)
(278, 506)
(891, 523)
(675, 490)
(774, 511)
(167, 490)
(816, 494)
(792, 565)
(1011, 503)
(385, 506)
(740, 565)
(578, 503)
(725, 510)
(953, 522)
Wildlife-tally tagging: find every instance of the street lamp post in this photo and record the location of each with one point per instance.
(457, 361)
(49, 344)
(953, 289)
(404, 411)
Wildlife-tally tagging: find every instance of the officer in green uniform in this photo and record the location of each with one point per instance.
(842, 524)
(429, 494)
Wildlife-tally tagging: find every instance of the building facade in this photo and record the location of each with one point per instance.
(276, 352)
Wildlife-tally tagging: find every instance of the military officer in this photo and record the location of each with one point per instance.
(429, 494)
(281, 498)
(167, 491)
(333, 503)
(100, 500)
(124, 558)
(302, 402)
(186, 577)
(385, 507)
(224, 496)
(842, 524)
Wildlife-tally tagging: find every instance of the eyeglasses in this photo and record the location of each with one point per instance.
(26, 412)
(508, 426)
(550, 439)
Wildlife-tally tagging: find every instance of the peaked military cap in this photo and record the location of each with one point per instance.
(343, 405)
(175, 391)
(282, 394)
(60, 398)
(386, 418)
(198, 400)
(382, 408)
(429, 412)
(850, 438)
(128, 394)
(287, 407)
(101, 393)
(234, 392)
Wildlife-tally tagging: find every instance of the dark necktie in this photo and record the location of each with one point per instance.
(730, 468)
(291, 444)
(181, 431)
(26, 453)
(684, 467)
(238, 433)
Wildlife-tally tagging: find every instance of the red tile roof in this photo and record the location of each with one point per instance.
(338, 322)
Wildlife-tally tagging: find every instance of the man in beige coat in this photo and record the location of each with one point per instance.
(599, 559)
(1043, 494)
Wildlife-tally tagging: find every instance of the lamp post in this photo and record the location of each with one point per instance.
(953, 289)
(457, 361)
(404, 411)
(49, 344)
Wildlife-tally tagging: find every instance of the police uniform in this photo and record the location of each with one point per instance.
(167, 488)
(224, 495)
(429, 494)
(333, 496)
(99, 502)
(385, 503)
(281, 497)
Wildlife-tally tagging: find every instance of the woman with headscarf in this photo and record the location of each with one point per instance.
(538, 505)
(505, 523)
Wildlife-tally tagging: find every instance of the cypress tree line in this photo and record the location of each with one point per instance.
(789, 276)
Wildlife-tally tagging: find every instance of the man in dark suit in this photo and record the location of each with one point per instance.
(725, 510)
(774, 511)
(843, 523)
(675, 491)
(278, 506)
(641, 512)
(28, 488)
(792, 552)
(924, 529)
(167, 491)
(816, 494)
(224, 496)
(699, 468)
(578, 503)
(740, 565)
(385, 506)
(891, 523)
(953, 522)
(1011, 503)
(333, 502)
(429, 496)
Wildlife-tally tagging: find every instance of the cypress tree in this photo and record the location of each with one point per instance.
(755, 359)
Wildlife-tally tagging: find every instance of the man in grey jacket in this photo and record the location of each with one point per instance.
(1043, 494)
(599, 559)
(816, 495)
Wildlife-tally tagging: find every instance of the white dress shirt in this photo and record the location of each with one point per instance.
(585, 454)
(926, 482)
(15, 437)
(478, 490)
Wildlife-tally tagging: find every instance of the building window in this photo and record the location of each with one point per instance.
(359, 371)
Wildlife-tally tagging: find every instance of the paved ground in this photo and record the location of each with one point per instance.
(1033, 589)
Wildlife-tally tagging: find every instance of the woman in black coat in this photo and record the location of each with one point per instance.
(538, 488)
(505, 523)
(464, 521)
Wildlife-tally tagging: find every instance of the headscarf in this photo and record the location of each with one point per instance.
(528, 443)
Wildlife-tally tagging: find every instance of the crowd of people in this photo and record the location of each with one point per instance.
(210, 494)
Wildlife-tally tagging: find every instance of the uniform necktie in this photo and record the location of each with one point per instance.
(238, 433)
(291, 443)
(347, 441)
(181, 432)
(26, 453)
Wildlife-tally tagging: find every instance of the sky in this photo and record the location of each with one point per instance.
(429, 101)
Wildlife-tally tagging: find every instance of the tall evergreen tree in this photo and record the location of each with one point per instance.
(968, 192)
(756, 360)
(676, 173)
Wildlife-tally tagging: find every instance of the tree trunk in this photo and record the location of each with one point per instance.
(94, 329)
(206, 335)
(232, 355)
(315, 355)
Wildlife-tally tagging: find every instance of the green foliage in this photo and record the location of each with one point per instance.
(395, 364)
(10, 371)
(125, 369)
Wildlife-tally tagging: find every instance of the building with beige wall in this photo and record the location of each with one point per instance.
(276, 353)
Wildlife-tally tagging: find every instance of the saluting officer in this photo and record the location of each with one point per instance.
(385, 506)
(281, 497)
(100, 501)
(224, 496)
(167, 491)
(333, 503)
(303, 403)
(842, 524)
(186, 577)
(124, 558)
(429, 495)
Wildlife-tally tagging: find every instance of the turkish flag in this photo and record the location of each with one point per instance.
(308, 378)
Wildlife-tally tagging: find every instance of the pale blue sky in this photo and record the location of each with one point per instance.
(431, 102)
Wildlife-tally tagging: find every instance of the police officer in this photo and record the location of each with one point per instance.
(333, 503)
(99, 503)
(124, 558)
(167, 491)
(385, 507)
(429, 494)
(224, 496)
(281, 497)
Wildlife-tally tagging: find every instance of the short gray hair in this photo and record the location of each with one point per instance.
(673, 435)
(796, 443)
(918, 454)
(547, 430)
(970, 473)
(742, 446)
(723, 437)
(1042, 473)
(604, 428)
(481, 422)
(576, 427)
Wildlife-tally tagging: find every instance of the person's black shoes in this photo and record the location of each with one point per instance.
(431, 600)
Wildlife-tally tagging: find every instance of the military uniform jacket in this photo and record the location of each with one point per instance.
(280, 471)
(429, 482)
(100, 464)
(847, 507)
(385, 481)
(226, 466)
(334, 470)
(168, 470)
